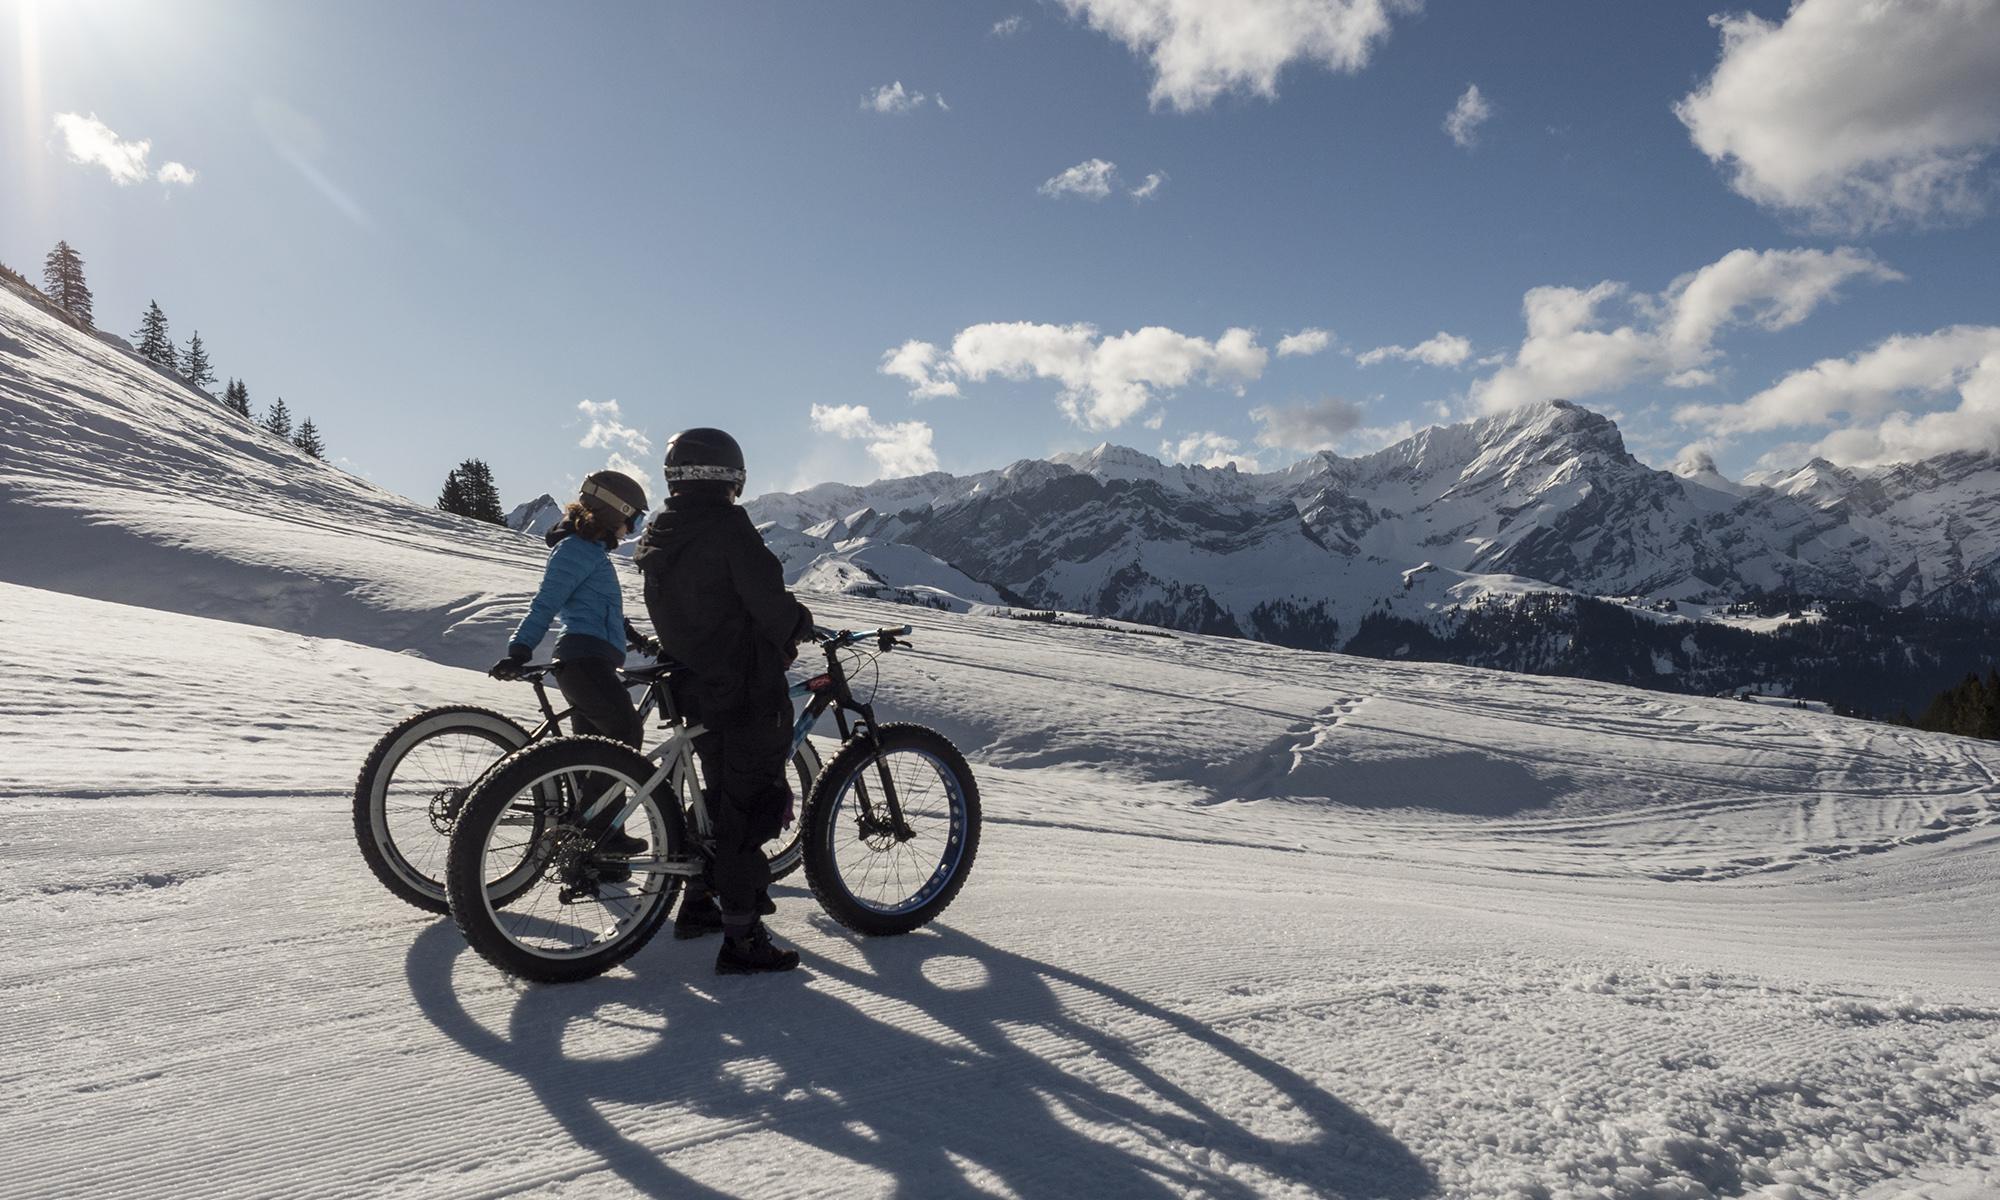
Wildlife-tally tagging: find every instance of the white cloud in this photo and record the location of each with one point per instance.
(1855, 114)
(1693, 377)
(893, 98)
(1106, 381)
(177, 173)
(1890, 402)
(608, 430)
(1439, 350)
(1319, 425)
(1200, 49)
(1096, 179)
(1092, 179)
(1209, 449)
(1572, 350)
(1305, 341)
(903, 448)
(1007, 27)
(1465, 117)
(90, 141)
(917, 362)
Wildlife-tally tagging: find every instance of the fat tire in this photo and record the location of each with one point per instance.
(495, 792)
(822, 871)
(375, 840)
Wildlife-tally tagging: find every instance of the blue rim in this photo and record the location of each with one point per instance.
(947, 866)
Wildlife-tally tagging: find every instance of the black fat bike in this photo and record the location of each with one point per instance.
(889, 831)
(415, 781)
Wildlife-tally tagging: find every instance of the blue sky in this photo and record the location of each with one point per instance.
(450, 230)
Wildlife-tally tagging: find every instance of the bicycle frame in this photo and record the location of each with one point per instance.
(829, 689)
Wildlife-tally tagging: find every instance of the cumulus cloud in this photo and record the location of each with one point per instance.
(1891, 403)
(1091, 179)
(1854, 113)
(1440, 350)
(1573, 349)
(894, 98)
(917, 362)
(1105, 381)
(1209, 449)
(1318, 425)
(1305, 341)
(90, 141)
(176, 173)
(1096, 179)
(1008, 26)
(902, 448)
(1201, 49)
(1465, 117)
(608, 431)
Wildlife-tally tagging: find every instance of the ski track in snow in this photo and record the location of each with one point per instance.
(1245, 921)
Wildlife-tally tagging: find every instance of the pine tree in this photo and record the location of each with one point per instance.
(62, 279)
(309, 441)
(237, 398)
(152, 338)
(481, 496)
(469, 492)
(194, 364)
(279, 419)
(452, 499)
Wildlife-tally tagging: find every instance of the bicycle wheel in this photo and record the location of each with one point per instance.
(412, 787)
(870, 875)
(575, 918)
(785, 851)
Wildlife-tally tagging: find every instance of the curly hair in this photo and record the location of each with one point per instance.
(589, 523)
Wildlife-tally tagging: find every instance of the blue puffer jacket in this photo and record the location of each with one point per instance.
(581, 587)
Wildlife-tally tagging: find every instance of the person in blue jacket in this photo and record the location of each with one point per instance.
(580, 587)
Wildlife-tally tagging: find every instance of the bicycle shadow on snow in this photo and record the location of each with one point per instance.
(933, 1087)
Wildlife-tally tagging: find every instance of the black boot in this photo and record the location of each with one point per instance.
(752, 953)
(700, 916)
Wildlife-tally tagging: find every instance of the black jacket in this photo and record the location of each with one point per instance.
(717, 597)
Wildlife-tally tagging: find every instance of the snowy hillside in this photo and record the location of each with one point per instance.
(114, 480)
(1246, 920)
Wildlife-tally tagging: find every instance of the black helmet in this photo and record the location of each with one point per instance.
(704, 455)
(615, 493)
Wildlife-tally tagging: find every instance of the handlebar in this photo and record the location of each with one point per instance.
(836, 639)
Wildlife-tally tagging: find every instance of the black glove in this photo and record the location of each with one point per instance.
(635, 640)
(508, 669)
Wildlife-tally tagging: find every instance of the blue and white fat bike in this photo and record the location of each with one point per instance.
(416, 780)
(537, 885)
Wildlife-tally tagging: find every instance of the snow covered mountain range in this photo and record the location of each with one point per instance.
(1605, 566)
(1544, 496)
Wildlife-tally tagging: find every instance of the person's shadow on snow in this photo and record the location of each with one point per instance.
(949, 1058)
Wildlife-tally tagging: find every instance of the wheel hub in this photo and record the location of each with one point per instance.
(444, 808)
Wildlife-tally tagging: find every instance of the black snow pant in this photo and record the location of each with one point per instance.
(744, 764)
(599, 702)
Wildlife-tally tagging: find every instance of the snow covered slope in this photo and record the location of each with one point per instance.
(118, 484)
(1246, 922)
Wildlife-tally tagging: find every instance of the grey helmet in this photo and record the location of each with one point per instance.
(704, 455)
(614, 493)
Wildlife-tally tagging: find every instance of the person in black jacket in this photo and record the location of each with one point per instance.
(718, 602)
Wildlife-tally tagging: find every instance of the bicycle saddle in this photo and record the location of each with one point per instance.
(660, 670)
